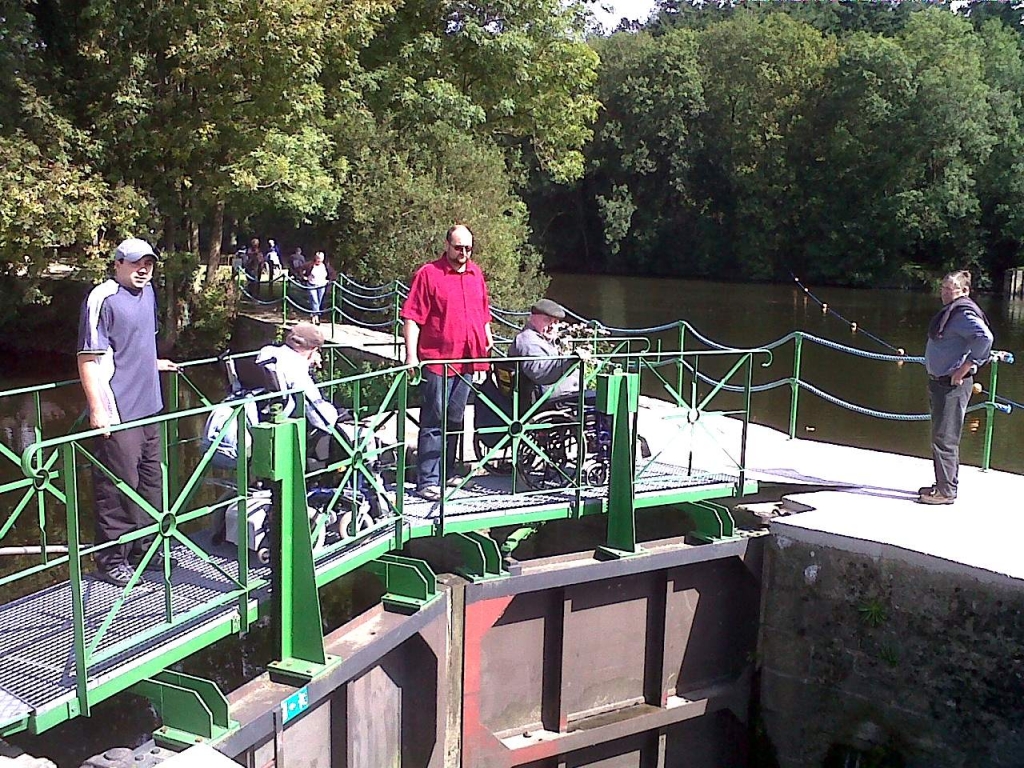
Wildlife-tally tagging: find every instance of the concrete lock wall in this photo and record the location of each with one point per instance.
(644, 662)
(902, 656)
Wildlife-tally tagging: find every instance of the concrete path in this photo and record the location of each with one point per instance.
(872, 502)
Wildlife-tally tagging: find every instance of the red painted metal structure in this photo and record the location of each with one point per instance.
(641, 662)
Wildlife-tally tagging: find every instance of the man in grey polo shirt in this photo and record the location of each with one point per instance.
(119, 369)
(959, 342)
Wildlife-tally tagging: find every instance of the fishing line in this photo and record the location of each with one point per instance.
(849, 323)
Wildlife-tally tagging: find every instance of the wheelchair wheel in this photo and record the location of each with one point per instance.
(363, 521)
(558, 440)
(500, 463)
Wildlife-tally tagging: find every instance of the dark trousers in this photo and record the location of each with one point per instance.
(948, 408)
(134, 457)
(435, 389)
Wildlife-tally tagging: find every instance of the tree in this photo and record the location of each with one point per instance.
(54, 205)
(516, 71)
(404, 193)
(762, 78)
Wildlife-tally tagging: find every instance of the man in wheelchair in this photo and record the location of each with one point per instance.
(331, 434)
(548, 374)
(289, 367)
(536, 340)
(334, 510)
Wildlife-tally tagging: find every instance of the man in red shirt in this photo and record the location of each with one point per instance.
(447, 317)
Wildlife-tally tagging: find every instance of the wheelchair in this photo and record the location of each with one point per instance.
(556, 454)
(335, 511)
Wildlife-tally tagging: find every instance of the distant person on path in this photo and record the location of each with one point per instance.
(119, 368)
(273, 259)
(318, 274)
(535, 340)
(296, 263)
(959, 342)
(254, 261)
(447, 316)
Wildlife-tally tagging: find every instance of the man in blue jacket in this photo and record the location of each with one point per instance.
(959, 342)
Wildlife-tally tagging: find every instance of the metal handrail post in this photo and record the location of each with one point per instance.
(990, 411)
(75, 575)
(284, 299)
(37, 432)
(334, 300)
(794, 383)
(403, 411)
(396, 306)
(172, 438)
(681, 367)
(444, 447)
(746, 422)
(344, 277)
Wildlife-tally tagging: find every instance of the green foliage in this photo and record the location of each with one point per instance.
(873, 613)
(401, 202)
(209, 320)
(846, 142)
(373, 122)
(514, 70)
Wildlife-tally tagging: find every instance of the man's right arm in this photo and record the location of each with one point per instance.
(92, 383)
(411, 334)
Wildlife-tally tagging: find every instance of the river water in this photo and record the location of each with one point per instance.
(735, 315)
(751, 315)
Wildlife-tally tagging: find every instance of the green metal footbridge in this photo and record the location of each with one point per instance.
(69, 641)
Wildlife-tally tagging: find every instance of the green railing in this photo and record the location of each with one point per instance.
(678, 335)
(195, 494)
(378, 307)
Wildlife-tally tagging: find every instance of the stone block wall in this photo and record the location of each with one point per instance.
(913, 660)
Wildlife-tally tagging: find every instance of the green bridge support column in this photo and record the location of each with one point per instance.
(193, 710)
(410, 583)
(618, 395)
(279, 454)
(481, 557)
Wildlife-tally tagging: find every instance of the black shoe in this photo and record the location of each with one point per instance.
(119, 575)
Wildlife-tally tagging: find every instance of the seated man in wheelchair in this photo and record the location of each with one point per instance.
(289, 366)
(550, 373)
(332, 432)
(536, 341)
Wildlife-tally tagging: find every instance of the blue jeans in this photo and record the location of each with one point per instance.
(434, 389)
(316, 299)
(948, 408)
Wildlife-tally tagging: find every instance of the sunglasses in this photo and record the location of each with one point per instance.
(463, 248)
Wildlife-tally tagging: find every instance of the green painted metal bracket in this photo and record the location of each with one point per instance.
(618, 396)
(713, 521)
(517, 537)
(480, 556)
(193, 710)
(410, 583)
(279, 452)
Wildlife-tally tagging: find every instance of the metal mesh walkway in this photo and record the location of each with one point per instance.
(37, 652)
(37, 656)
(492, 497)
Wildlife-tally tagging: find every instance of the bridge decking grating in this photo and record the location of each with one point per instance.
(37, 657)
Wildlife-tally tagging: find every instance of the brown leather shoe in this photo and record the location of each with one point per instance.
(935, 498)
